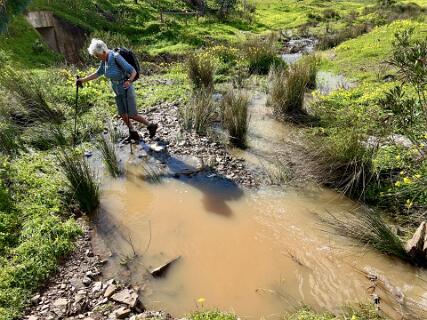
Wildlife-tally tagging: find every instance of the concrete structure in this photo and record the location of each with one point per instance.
(61, 36)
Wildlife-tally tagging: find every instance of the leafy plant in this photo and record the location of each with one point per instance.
(410, 59)
(200, 72)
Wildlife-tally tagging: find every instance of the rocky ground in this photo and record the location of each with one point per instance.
(173, 141)
(76, 292)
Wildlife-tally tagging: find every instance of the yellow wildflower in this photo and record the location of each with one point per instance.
(407, 180)
(398, 184)
(201, 300)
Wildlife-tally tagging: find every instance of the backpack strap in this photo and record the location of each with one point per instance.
(115, 54)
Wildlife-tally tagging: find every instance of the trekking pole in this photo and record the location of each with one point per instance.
(128, 124)
(79, 85)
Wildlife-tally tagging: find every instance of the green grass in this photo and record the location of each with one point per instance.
(363, 58)
(33, 234)
(212, 315)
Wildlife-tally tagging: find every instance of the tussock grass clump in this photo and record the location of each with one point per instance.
(261, 55)
(201, 72)
(286, 92)
(81, 180)
(369, 229)
(27, 90)
(199, 112)
(344, 162)
(109, 156)
(311, 62)
(234, 108)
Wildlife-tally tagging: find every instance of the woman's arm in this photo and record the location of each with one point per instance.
(90, 77)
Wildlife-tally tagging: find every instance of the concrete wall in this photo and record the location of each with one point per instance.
(60, 35)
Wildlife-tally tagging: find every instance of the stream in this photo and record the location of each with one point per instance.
(260, 252)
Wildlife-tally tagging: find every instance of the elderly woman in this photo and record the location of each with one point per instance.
(121, 74)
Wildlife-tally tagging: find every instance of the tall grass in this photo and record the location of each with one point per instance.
(234, 109)
(344, 162)
(81, 180)
(369, 229)
(10, 142)
(27, 89)
(286, 92)
(261, 54)
(311, 63)
(201, 72)
(109, 156)
(199, 112)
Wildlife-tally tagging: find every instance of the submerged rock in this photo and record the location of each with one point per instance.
(161, 271)
(417, 246)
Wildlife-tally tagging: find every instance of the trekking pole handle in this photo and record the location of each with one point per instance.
(78, 83)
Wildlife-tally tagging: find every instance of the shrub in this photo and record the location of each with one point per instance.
(235, 117)
(199, 112)
(81, 180)
(407, 57)
(109, 156)
(261, 55)
(200, 72)
(286, 92)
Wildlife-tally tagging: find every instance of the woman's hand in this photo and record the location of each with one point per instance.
(79, 82)
(127, 84)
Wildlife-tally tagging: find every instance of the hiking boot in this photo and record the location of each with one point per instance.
(152, 128)
(134, 135)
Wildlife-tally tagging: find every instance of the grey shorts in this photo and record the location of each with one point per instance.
(121, 94)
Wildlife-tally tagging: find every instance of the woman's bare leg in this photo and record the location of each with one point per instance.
(126, 120)
(140, 118)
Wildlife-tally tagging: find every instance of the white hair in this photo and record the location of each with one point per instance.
(97, 47)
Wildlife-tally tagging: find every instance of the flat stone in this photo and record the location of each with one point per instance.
(126, 296)
(162, 270)
(111, 289)
(61, 302)
(36, 299)
(156, 147)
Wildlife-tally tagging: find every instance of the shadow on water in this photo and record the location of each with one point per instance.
(217, 190)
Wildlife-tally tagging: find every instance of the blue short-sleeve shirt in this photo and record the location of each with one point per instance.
(116, 74)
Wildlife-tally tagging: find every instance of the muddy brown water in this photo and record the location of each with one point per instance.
(259, 253)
